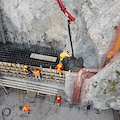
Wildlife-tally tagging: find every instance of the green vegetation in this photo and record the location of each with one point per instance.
(118, 73)
(111, 87)
(105, 91)
(115, 27)
(95, 84)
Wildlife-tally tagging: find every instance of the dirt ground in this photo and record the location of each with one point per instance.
(43, 109)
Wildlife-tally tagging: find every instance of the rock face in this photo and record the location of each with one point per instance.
(104, 90)
(42, 22)
(101, 18)
(2, 36)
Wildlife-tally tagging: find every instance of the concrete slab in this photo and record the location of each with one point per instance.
(43, 57)
(42, 110)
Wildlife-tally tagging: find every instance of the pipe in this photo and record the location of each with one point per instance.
(70, 38)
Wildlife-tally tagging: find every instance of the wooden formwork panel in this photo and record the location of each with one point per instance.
(16, 70)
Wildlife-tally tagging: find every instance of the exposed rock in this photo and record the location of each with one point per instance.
(43, 23)
(104, 90)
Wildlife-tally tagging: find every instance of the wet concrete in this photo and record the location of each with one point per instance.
(73, 64)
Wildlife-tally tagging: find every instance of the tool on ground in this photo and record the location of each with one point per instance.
(6, 112)
(26, 108)
(70, 19)
(20, 107)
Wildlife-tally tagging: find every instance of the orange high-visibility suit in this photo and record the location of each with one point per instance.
(59, 67)
(37, 74)
(26, 108)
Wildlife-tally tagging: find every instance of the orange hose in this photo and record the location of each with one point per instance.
(115, 50)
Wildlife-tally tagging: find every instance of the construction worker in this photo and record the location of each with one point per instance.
(37, 74)
(59, 67)
(26, 108)
(64, 54)
(58, 99)
(27, 70)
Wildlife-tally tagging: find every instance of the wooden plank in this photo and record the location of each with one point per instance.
(13, 65)
(53, 74)
(48, 74)
(9, 64)
(43, 57)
